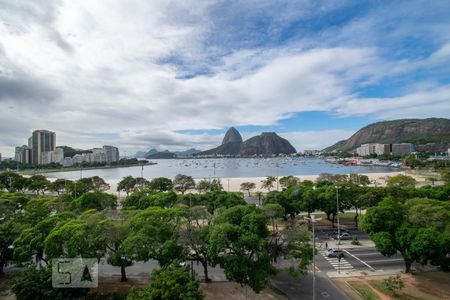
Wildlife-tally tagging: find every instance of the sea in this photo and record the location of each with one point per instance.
(225, 168)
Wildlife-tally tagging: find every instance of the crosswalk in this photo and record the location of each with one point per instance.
(334, 261)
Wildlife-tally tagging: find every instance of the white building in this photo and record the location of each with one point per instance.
(382, 149)
(68, 162)
(369, 149)
(366, 149)
(55, 156)
(112, 153)
(78, 159)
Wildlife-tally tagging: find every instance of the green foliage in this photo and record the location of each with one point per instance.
(94, 200)
(355, 241)
(31, 240)
(153, 233)
(7, 180)
(418, 229)
(160, 184)
(38, 184)
(36, 284)
(71, 152)
(445, 175)
(127, 184)
(285, 200)
(183, 183)
(269, 182)
(11, 224)
(288, 181)
(248, 186)
(393, 283)
(293, 242)
(84, 236)
(401, 181)
(172, 283)
(238, 243)
(206, 185)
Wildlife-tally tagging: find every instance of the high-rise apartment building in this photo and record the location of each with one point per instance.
(41, 141)
(111, 153)
(23, 154)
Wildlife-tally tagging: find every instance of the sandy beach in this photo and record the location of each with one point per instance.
(234, 184)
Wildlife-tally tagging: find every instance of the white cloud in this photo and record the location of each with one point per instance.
(112, 68)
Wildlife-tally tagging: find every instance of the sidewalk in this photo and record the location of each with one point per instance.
(358, 273)
(347, 244)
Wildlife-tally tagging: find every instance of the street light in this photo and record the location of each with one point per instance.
(142, 176)
(339, 228)
(313, 221)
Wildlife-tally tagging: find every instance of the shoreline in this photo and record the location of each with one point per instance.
(71, 169)
(233, 184)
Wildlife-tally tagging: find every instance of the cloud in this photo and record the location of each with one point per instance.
(135, 73)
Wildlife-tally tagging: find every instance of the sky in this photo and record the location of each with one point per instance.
(176, 74)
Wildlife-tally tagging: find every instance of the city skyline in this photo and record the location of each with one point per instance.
(174, 76)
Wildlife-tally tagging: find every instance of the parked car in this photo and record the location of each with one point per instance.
(334, 252)
(335, 232)
(344, 236)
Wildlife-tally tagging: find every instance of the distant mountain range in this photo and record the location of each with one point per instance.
(265, 144)
(155, 154)
(431, 134)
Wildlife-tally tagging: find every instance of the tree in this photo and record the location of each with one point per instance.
(206, 185)
(183, 183)
(172, 283)
(196, 236)
(248, 186)
(160, 184)
(268, 182)
(31, 240)
(418, 229)
(94, 200)
(58, 186)
(288, 181)
(218, 199)
(401, 180)
(7, 180)
(284, 199)
(154, 235)
(11, 217)
(305, 196)
(327, 201)
(117, 230)
(259, 195)
(445, 175)
(20, 184)
(83, 236)
(99, 183)
(35, 283)
(238, 243)
(359, 179)
(394, 283)
(332, 178)
(127, 184)
(38, 183)
(162, 199)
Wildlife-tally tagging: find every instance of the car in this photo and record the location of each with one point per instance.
(344, 236)
(334, 252)
(335, 232)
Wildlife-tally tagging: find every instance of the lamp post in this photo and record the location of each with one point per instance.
(339, 228)
(313, 221)
(142, 176)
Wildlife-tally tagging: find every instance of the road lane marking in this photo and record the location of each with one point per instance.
(385, 260)
(366, 264)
